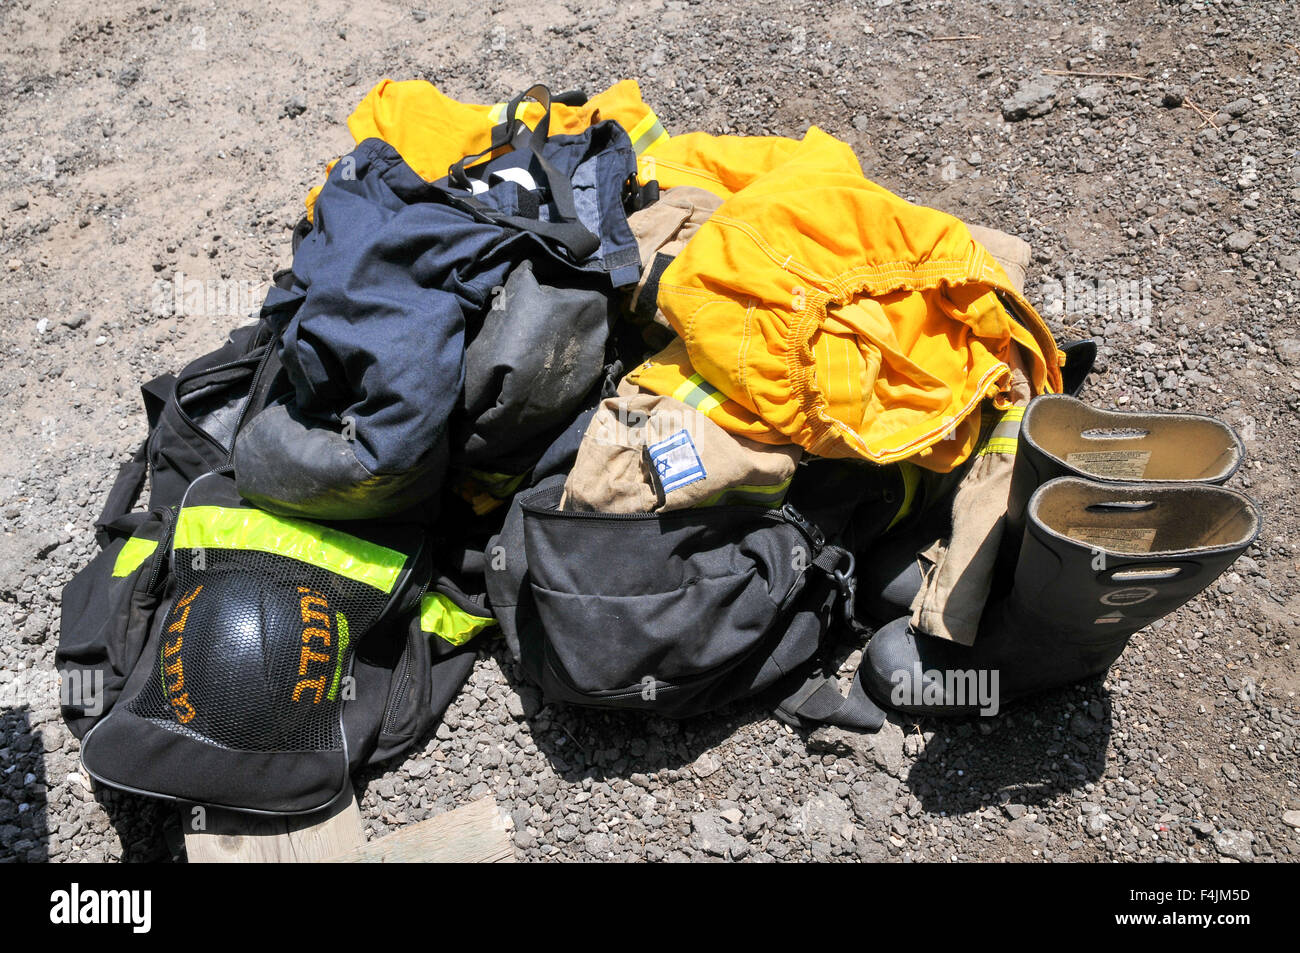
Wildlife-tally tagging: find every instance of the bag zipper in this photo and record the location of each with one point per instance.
(404, 676)
(180, 409)
(404, 681)
(164, 547)
(785, 514)
(257, 380)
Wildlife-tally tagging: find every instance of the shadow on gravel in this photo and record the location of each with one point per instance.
(142, 824)
(1030, 754)
(24, 828)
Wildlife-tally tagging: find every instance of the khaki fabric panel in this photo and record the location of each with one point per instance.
(613, 472)
(1012, 253)
(952, 599)
(665, 227)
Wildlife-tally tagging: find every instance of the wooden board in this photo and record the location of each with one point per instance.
(472, 834)
(232, 837)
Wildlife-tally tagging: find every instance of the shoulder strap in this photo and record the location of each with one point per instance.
(123, 494)
(514, 133)
(819, 700)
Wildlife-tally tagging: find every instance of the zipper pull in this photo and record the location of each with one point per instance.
(791, 515)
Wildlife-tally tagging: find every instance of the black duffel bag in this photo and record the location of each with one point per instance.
(682, 612)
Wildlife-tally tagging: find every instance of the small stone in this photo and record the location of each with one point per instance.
(1173, 97)
(706, 765)
(295, 107)
(1091, 95)
(1235, 844)
(887, 749)
(75, 320)
(514, 706)
(1081, 726)
(1239, 241)
(709, 834)
(1288, 350)
(827, 815)
(1031, 99)
(1014, 811)
(13, 264)
(1291, 818)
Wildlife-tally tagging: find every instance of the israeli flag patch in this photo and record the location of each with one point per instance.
(676, 461)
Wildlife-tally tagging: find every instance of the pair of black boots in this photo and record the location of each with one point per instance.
(1113, 521)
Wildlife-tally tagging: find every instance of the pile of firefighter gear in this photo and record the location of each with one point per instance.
(676, 416)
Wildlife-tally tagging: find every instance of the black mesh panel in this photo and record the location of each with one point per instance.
(250, 654)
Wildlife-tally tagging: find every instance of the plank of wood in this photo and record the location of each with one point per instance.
(232, 837)
(474, 833)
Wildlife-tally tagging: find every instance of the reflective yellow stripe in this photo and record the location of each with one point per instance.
(684, 390)
(999, 445)
(341, 623)
(220, 527)
(712, 402)
(759, 494)
(1006, 434)
(441, 617)
(647, 133)
(497, 113)
(698, 393)
(911, 480)
(133, 552)
(500, 485)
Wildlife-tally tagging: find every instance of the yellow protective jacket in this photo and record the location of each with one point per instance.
(431, 131)
(817, 308)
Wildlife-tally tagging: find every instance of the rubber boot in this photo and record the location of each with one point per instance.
(1061, 436)
(1097, 563)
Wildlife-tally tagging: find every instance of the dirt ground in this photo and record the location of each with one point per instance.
(144, 146)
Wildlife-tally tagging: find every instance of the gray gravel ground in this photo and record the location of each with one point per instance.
(137, 141)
